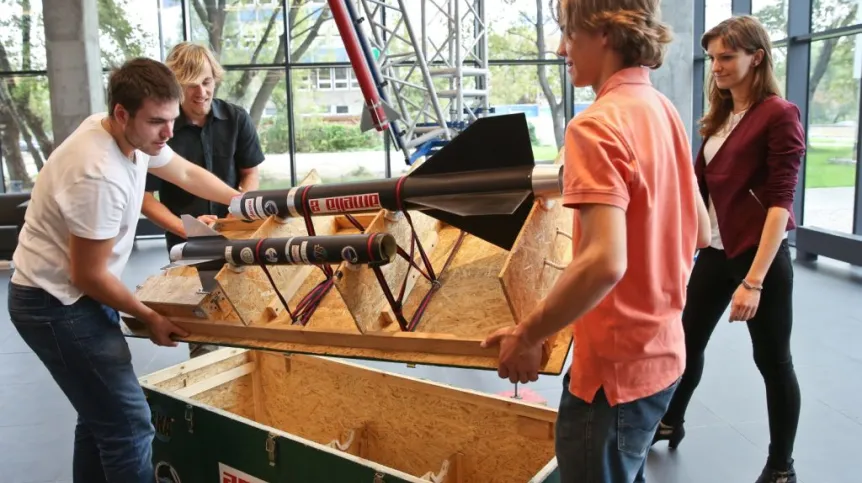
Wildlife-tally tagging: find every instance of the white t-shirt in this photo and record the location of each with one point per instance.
(88, 188)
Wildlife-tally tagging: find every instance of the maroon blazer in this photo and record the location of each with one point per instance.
(756, 168)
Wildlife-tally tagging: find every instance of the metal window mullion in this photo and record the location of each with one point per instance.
(288, 90)
(187, 20)
(698, 66)
(798, 76)
(857, 193)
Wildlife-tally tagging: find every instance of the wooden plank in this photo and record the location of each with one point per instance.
(192, 365)
(555, 365)
(215, 381)
(388, 341)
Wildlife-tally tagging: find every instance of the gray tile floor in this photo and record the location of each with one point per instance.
(727, 431)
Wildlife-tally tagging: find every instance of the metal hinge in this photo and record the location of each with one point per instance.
(270, 448)
(190, 418)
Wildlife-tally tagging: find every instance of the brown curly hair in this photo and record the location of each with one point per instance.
(634, 27)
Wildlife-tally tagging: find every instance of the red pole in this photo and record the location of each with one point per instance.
(357, 60)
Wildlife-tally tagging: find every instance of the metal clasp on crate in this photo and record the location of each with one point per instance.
(270, 448)
(190, 418)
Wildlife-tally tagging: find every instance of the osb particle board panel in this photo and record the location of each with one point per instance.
(360, 288)
(529, 272)
(250, 286)
(331, 314)
(177, 286)
(406, 424)
(236, 396)
(470, 302)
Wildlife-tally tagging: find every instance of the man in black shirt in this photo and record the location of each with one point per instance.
(212, 133)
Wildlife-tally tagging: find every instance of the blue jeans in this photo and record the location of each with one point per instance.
(85, 351)
(597, 443)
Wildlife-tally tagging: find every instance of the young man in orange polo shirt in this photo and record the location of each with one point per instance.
(638, 220)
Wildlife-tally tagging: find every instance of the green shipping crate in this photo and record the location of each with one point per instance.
(242, 416)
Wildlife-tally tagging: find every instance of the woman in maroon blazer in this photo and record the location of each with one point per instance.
(747, 172)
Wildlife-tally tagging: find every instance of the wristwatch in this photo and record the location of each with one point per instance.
(749, 286)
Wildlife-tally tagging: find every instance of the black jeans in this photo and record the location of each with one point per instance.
(710, 290)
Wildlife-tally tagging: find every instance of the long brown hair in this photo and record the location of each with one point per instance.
(744, 33)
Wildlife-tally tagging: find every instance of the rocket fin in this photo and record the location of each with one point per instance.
(391, 114)
(208, 279)
(500, 230)
(492, 142)
(365, 122)
(478, 204)
(211, 264)
(195, 228)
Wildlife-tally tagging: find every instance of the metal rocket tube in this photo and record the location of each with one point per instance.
(357, 60)
(370, 196)
(374, 248)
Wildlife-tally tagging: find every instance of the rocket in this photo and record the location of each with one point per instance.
(484, 182)
(208, 250)
(377, 112)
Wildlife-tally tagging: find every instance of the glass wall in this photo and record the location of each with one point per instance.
(26, 138)
(299, 88)
(817, 49)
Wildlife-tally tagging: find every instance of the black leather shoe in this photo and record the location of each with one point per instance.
(770, 475)
(673, 434)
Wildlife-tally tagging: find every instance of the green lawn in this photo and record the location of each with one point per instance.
(545, 153)
(820, 173)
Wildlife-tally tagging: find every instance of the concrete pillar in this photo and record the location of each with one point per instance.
(74, 63)
(674, 78)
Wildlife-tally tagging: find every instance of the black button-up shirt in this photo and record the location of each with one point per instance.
(225, 144)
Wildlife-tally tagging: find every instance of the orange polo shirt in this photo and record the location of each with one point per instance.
(630, 149)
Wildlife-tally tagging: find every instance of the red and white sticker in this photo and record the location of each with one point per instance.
(231, 475)
(249, 208)
(345, 204)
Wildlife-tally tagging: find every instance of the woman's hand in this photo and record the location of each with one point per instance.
(744, 303)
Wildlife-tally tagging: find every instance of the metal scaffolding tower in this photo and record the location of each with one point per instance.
(436, 77)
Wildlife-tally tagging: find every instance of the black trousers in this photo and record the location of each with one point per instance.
(710, 290)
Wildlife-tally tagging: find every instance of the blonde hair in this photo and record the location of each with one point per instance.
(187, 61)
(634, 27)
(744, 33)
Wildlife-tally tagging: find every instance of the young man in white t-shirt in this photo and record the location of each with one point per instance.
(78, 233)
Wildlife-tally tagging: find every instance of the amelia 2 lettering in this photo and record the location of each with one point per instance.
(343, 204)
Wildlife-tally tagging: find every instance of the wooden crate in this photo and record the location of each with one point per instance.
(257, 416)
